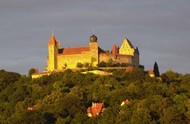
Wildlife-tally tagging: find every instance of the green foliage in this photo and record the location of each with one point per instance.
(141, 116)
(136, 75)
(64, 98)
(112, 64)
(79, 65)
(31, 71)
(170, 76)
(86, 65)
(7, 78)
(102, 64)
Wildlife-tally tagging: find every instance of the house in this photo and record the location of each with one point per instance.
(126, 102)
(95, 110)
(151, 73)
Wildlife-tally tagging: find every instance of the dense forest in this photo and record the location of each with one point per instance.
(63, 98)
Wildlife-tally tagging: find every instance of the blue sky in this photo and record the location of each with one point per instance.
(160, 28)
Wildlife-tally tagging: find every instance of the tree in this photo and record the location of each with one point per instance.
(31, 71)
(102, 64)
(86, 65)
(65, 66)
(65, 96)
(172, 76)
(141, 116)
(156, 70)
(7, 78)
(134, 75)
(79, 65)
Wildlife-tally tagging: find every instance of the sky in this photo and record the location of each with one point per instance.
(160, 29)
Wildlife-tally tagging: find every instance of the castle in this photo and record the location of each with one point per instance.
(62, 58)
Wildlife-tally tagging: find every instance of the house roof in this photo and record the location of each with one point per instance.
(150, 72)
(52, 40)
(131, 45)
(114, 49)
(95, 109)
(77, 50)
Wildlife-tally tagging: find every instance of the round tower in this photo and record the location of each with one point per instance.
(93, 45)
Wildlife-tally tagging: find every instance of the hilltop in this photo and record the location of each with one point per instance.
(65, 97)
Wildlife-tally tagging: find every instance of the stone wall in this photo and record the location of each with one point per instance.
(107, 57)
(52, 60)
(70, 61)
(136, 59)
(94, 53)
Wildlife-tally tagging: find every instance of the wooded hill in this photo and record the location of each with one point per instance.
(64, 98)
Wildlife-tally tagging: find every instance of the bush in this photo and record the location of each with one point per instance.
(79, 65)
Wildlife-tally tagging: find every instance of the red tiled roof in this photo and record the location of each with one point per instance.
(150, 72)
(114, 49)
(52, 40)
(78, 50)
(95, 109)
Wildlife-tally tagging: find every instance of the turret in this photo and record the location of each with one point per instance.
(114, 50)
(136, 57)
(93, 45)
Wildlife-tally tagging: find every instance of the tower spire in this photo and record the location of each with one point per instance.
(52, 32)
(53, 39)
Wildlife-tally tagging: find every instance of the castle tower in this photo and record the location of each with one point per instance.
(53, 46)
(93, 45)
(126, 48)
(114, 50)
(136, 57)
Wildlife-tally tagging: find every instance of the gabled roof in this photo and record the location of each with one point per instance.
(95, 109)
(129, 42)
(52, 40)
(77, 50)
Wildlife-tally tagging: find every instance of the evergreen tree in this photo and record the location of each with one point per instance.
(156, 70)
